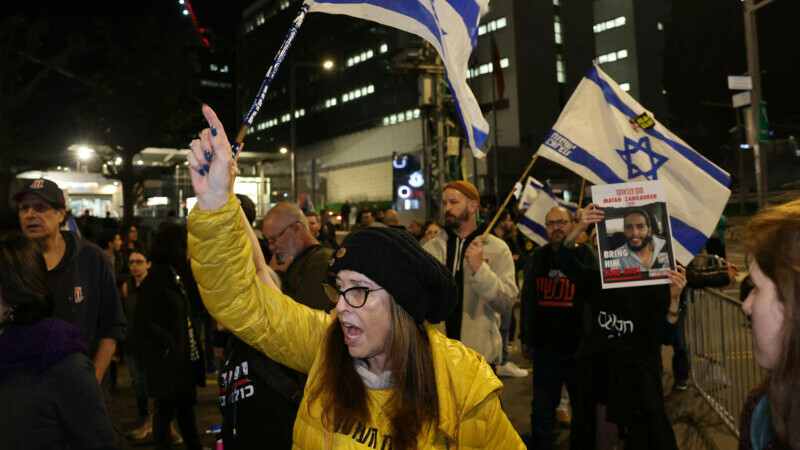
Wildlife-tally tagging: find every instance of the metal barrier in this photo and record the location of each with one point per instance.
(720, 342)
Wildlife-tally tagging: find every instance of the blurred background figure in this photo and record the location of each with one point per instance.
(772, 411)
(48, 389)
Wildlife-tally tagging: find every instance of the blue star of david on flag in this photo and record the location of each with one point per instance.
(656, 160)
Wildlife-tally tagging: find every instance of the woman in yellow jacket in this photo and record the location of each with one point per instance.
(379, 375)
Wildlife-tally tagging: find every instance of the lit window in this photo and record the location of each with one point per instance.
(609, 24)
(409, 114)
(356, 59)
(560, 77)
(345, 98)
(393, 119)
(350, 62)
(384, 48)
(364, 90)
(224, 69)
(622, 54)
(557, 29)
(369, 54)
(494, 25)
(612, 57)
(371, 89)
(556, 3)
(602, 59)
(625, 87)
(416, 113)
(660, 26)
(504, 63)
(385, 121)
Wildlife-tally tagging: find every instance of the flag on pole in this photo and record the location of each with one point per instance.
(605, 136)
(538, 199)
(451, 26)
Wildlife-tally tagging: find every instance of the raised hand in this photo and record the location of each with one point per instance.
(212, 166)
(678, 281)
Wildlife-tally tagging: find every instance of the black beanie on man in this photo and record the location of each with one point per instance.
(393, 259)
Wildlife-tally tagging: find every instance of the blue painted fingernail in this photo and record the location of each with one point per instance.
(208, 156)
(213, 131)
(207, 168)
(201, 172)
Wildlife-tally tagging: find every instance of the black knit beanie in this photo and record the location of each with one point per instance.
(394, 260)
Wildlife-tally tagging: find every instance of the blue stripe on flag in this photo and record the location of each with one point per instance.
(469, 11)
(412, 9)
(533, 226)
(689, 237)
(578, 155)
(478, 136)
(613, 99)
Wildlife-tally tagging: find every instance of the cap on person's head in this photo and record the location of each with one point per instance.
(391, 257)
(44, 188)
(466, 188)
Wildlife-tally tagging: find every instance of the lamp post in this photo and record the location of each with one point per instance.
(326, 65)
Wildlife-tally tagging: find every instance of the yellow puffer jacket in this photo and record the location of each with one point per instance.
(470, 416)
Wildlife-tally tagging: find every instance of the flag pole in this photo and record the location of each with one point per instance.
(273, 69)
(508, 198)
(583, 188)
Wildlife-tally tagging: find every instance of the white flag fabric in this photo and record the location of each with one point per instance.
(538, 199)
(451, 26)
(605, 136)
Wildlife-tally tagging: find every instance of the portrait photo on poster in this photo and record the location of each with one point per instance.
(635, 239)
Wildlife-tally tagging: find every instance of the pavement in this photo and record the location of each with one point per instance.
(695, 424)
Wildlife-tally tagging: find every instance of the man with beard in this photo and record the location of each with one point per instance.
(483, 270)
(642, 249)
(551, 322)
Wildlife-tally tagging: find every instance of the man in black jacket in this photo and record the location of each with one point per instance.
(81, 281)
(551, 322)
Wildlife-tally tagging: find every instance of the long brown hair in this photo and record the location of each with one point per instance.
(414, 403)
(23, 279)
(773, 236)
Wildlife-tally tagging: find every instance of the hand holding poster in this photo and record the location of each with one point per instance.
(635, 240)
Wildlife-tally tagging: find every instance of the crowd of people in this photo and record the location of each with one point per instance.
(385, 337)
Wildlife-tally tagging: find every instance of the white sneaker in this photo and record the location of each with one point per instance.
(509, 369)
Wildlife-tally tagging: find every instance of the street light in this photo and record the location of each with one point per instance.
(326, 65)
(84, 153)
(284, 150)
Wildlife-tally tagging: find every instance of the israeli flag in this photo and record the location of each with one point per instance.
(538, 199)
(451, 26)
(605, 136)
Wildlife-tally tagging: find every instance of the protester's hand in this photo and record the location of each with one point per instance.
(212, 180)
(527, 353)
(677, 280)
(733, 271)
(474, 255)
(590, 215)
(278, 265)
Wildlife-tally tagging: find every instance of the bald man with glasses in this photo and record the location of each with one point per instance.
(297, 256)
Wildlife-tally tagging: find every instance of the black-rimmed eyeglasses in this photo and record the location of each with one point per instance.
(355, 296)
(274, 239)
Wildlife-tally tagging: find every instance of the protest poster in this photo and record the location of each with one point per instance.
(634, 240)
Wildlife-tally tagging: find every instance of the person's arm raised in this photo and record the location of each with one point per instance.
(212, 180)
(588, 216)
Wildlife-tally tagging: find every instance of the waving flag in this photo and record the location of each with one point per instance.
(539, 199)
(605, 136)
(451, 26)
